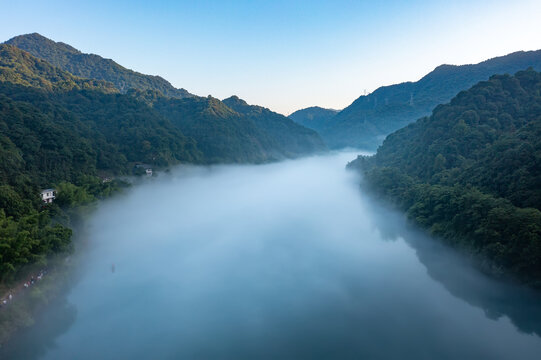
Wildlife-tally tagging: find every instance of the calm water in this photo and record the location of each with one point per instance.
(280, 261)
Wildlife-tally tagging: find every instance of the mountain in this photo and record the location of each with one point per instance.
(366, 122)
(59, 130)
(227, 132)
(60, 135)
(66, 139)
(92, 66)
(42, 104)
(283, 133)
(315, 117)
(19, 67)
(222, 134)
(471, 173)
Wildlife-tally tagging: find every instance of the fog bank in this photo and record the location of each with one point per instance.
(281, 261)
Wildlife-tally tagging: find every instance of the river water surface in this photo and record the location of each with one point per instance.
(282, 261)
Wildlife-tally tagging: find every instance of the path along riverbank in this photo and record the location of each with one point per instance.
(14, 293)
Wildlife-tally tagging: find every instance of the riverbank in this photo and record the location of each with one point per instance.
(39, 284)
(26, 303)
(501, 238)
(12, 293)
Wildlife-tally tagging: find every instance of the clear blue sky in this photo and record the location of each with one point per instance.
(284, 55)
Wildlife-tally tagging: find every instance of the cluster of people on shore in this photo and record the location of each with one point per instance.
(33, 280)
(9, 298)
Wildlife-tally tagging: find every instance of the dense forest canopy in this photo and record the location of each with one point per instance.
(366, 122)
(283, 132)
(225, 132)
(69, 137)
(221, 133)
(19, 67)
(315, 117)
(471, 172)
(92, 66)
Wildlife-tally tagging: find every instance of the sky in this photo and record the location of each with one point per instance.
(284, 55)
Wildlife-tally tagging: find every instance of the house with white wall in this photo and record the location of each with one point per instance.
(48, 195)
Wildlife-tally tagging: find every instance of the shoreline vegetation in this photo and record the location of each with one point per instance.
(20, 312)
(469, 174)
(51, 272)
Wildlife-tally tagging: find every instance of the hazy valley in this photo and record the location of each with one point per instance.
(163, 224)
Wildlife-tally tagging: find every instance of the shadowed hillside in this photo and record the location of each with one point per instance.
(314, 117)
(366, 122)
(471, 173)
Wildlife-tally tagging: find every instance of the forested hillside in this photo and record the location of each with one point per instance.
(227, 132)
(315, 117)
(92, 66)
(366, 122)
(59, 130)
(222, 134)
(471, 172)
(282, 132)
(19, 67)
(62, 130)
(50, 138)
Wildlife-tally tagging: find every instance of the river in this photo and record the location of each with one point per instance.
(289, 260)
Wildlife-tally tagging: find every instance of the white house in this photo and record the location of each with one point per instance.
(146, 167)
(48, 195)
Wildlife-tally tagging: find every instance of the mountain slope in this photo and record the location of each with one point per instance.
(315, 117)
(220, 132)
(60, 130)
(62, 134)
(224, 134)
(92, 66)
(471, 172)
(367, 121)
(65, 139)
(283, 133)
(19, 67)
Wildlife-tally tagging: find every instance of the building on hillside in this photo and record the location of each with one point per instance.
(141, 169)
(48, 195)
(106, 180)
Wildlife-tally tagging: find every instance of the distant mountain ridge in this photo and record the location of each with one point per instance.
(286, 134)
(233, 131)
(315, 117)
(370, 118)
(92, 66)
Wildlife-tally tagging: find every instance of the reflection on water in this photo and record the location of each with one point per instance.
(284, 261)
(522, 305)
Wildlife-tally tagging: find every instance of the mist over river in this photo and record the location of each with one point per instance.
(282, 261)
